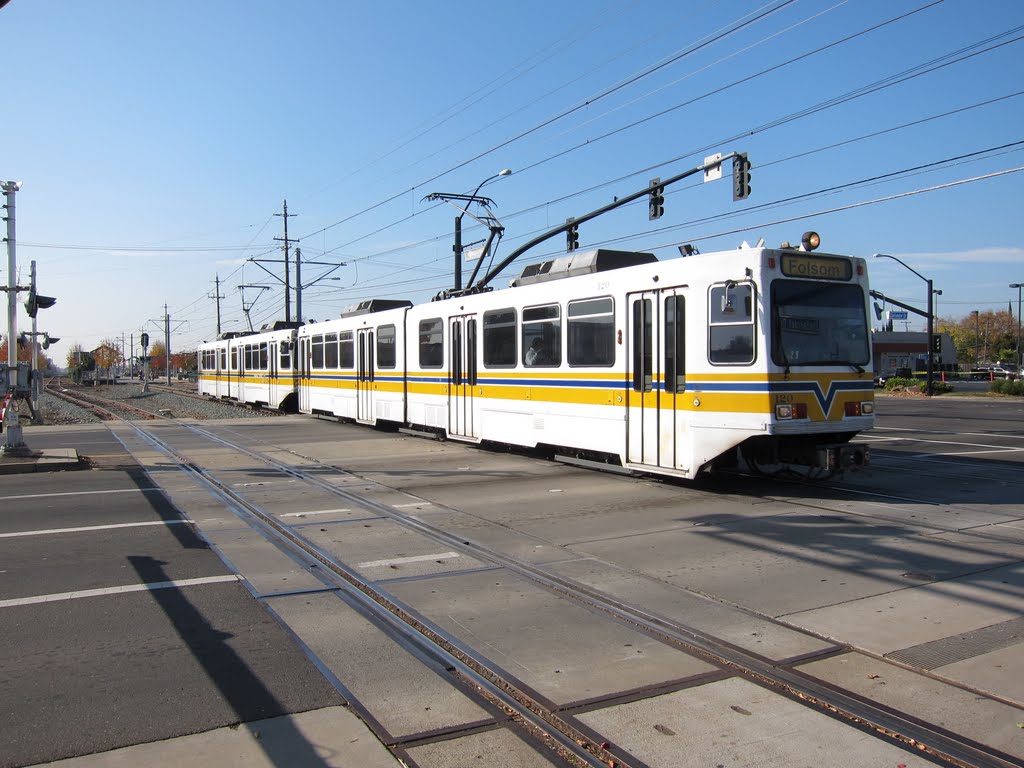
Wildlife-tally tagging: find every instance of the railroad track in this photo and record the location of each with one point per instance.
(105, 409)
(573, 745)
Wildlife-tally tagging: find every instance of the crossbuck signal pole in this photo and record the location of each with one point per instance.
(287, 244)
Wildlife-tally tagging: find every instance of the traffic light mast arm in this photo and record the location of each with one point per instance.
(883, 297)
(482, 284)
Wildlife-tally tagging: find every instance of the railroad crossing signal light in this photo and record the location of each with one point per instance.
(656, 202)
(740, 177)
(48, 340)
(937, 343)
(36, 302)
(144, 340)
(572, 237)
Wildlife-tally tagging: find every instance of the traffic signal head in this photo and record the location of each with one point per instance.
(144, 340)
(937, 343)
(36, 302)
(740, 177)
(572, 238)
(656, 203)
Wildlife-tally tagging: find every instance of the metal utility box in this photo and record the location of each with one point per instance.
(16, 379)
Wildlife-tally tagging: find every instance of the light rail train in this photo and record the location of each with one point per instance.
(671, 367)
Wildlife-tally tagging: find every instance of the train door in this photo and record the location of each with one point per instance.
(302, 369)
(364, 375)
(657, 431)
(462, 375)
(237, 371)
(273, 382)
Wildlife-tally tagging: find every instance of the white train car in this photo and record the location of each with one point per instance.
(666, 366)
(253, 368)
(354, 367)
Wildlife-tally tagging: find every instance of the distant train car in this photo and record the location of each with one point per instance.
(254, 368)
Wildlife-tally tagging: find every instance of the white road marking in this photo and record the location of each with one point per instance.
(261, 482)
(318, 512)
(404, 560)
(46, 531)
(414, 504)
(116, 590)
(82, 493)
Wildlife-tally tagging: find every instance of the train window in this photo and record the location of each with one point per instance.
(223, 360)
(317, 348)
(431, 343)
(591, 332)
(247, 356)
(386, 357)
(731, 324)
(234, 359)
(286, 355)
(331, 351)
(346, 351)
(542, 336)
(675, 344)
(817, 323)
(643, 332)
(264, 357)
(500, 338)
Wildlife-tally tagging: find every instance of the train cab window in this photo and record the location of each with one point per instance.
(542, 336)
(731, 324)
(317, 349)
(500, 338)
(285, 358)
(346, 350)
(675, 344)
(591, 332)
(331, 351)
(431, 338)
(386, 356)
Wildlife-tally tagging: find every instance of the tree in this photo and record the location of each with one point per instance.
(158, 357)
(107, 356)
(988, 337)
(184, 361)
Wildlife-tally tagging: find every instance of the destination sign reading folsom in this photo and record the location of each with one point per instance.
(819, 267)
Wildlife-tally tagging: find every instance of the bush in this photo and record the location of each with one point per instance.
(938, 387)
(1007, 387)
(893, 383)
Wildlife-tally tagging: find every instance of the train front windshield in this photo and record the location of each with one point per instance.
(819, 323)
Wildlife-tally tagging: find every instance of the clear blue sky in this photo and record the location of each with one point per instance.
(157, 141)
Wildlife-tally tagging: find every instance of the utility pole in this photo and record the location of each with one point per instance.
(14, 444)
(167, 345)
(287, 245)
(216, 296)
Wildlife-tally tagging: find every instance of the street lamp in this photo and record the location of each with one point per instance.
(931, 318)
(466, 199)
(1018, 286)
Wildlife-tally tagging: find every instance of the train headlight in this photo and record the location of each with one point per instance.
(810, 240)
(867, 409)
(784, 411)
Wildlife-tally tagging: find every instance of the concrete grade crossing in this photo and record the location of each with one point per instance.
(923, 547)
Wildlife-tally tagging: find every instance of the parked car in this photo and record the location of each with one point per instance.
(892, 373)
